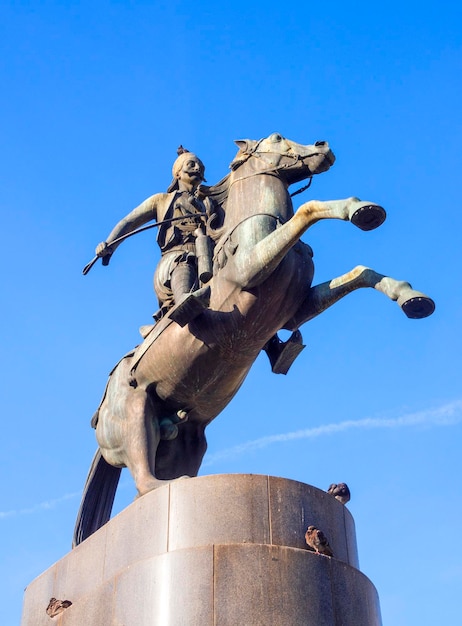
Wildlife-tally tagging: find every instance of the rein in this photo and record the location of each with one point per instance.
(302, 189)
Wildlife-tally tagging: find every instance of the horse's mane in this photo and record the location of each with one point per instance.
(218, 192)
(218, 195)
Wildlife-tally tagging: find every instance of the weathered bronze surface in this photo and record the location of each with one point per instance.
(161, 396)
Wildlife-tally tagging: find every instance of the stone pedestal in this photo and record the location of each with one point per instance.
(224, 550)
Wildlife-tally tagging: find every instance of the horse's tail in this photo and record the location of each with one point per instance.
(98, 498)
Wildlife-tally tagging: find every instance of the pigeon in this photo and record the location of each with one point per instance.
(317, 541)
(340, 492)
(55, 607)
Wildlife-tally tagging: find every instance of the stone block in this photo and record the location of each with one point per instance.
(82, 570)
(36, 598)
(355, 599)
(262, 585)
(174, 589)
(94, 609)
(350, 534)
(219, 509)
(294, 506)
(137, 532)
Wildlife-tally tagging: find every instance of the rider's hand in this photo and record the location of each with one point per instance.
(102, 249)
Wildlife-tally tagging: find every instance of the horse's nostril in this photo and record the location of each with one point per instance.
(320, 143)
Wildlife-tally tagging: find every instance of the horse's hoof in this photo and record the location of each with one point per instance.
(417, 307)
(368, 216)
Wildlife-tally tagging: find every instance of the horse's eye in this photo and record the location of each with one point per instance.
(275, 137)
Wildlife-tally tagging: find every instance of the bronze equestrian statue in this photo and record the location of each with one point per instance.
(162, 395)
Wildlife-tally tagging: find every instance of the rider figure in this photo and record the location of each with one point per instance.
(176, 276)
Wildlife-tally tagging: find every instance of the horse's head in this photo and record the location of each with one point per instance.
(293, 161)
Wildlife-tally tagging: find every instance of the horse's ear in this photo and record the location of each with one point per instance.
(245, 145)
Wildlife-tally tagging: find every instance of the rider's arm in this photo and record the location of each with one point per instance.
(147, 211)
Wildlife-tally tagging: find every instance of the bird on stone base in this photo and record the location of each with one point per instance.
(55, 607)
(316, 540)
(340, 492)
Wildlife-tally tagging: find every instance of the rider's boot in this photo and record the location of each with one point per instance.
(283, 353)
(188, 303)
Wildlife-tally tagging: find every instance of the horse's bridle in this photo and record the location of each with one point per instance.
(274, 169)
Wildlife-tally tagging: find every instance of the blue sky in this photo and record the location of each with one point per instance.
(96, 97)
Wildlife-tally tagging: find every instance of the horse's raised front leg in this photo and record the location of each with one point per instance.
(269, 248)
(365, 215)
(414, 303)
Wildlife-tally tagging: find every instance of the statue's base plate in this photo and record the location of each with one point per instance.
(213, 551)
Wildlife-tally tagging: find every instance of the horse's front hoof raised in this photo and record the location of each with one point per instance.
(417, 307)
(368, 216)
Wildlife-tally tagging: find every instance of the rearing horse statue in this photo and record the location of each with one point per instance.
(161, 396)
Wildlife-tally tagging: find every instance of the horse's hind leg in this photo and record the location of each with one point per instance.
(414, 303)
(183, 455)
(141, 440)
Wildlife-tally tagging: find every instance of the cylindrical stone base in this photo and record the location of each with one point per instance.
(222, 550)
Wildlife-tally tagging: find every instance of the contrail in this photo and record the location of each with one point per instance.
(446, 415)
(48, 504)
